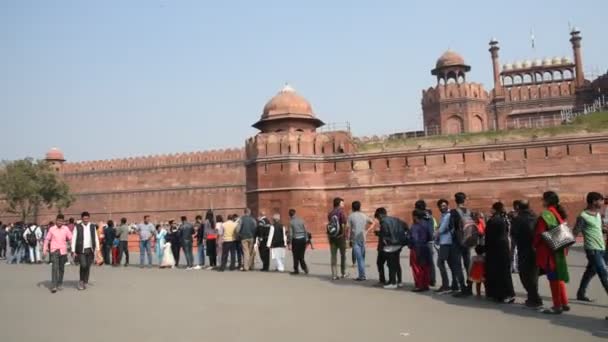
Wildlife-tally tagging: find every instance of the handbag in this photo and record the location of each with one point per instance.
(559, 237)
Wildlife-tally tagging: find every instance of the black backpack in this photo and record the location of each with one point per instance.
(31, 237)
(333, 227)
(15, 237)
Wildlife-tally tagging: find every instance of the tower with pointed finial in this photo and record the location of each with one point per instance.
(575, 39)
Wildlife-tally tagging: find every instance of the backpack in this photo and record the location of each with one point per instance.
(468, 233)
(31, 238)
(333, 227)
(14, 237)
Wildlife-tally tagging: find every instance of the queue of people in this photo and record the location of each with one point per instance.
(519, 240)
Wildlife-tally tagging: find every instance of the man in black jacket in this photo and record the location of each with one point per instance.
(464, 252)
(522, 232)
(393, 233)
(85, 243)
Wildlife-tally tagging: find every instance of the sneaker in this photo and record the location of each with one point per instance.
(188, 268)
(197, 267)
(462, 294)
(421, 290)
(334, 278)
(344, 276)
(53, 290)
(59, 288)
(533, 305)
(583, 298)
(400, 285)
(80, 286)
(361, 279)
(566, 308)
(390, 286)
(552, 311)
(442, 290)
(509, 300)
(67, 263)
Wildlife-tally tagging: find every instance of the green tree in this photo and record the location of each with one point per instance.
(28, 185)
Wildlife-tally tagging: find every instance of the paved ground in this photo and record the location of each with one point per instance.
(132, 304)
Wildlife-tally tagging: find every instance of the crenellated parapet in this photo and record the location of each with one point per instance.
(453, 91)
(298, 144)
(176, 159)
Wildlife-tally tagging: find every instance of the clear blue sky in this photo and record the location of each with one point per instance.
(107, 79)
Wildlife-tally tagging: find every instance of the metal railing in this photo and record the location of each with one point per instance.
(336, 126)
(569, 115)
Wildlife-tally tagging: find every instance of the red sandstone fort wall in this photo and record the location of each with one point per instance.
(397, 179)
(163, 187)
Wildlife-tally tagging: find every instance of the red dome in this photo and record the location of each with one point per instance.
(287, 102)
(54, 154)
(449, 58)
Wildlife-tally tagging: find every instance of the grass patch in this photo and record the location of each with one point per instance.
(592, 123)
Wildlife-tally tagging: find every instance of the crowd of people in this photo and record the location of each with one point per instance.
(506, 242)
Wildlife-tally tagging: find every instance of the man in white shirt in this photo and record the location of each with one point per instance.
(85, 244)
(32, 237)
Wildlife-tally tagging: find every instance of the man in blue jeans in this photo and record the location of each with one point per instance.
(358, 224)
(589, 223)
(146, 232)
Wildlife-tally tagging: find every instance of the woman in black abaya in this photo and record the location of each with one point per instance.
(499, 285)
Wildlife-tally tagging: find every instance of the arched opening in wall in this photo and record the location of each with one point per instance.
(441, 81)
(568, 74)
(527, 78)
(476, 124)
(547, 77)
(538, 77)
(322, 149)
(461, 79)
(507, 80)
(454, 125)
(451, 77)
(517, 79)
(289, 149)
(298, 146)
(557, 75)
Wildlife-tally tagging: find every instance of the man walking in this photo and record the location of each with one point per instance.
(186, 230)
(146, 232)
(358, 223)
(246, 231)
(589, 223)
(122, 233)
(336, 233)
(298, 236)
(85, 244)
(458, 218)
(393, 232)
(56, 242)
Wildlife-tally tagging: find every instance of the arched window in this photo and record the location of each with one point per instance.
(517, 79)
(567, 74)
(547, 77)
(527, 78)
(507, 80)
(557, 75)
